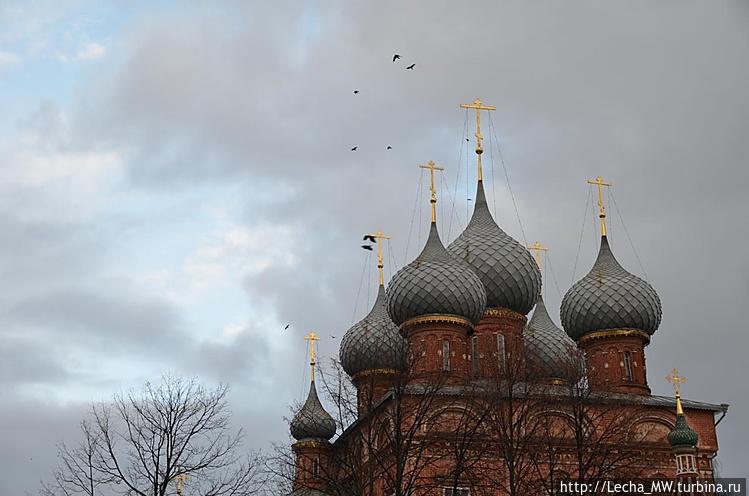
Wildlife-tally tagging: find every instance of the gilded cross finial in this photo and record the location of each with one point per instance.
(312, 337)
(477, 105)
(676, 380)
(538, 249)
(380, 265)
(433, 199)
(602, 212)
(181, 478)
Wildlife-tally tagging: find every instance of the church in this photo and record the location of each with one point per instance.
(459, 393)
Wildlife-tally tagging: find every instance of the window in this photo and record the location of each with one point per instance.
(501, 350)
(475, 353)
(446, 355)
(461, 491)
(315, 467)
(628, 365)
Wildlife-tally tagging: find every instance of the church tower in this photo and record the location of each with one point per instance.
(312, 427)
(373, 352)
(612, 314)
(436, 300)
(683, 439)
(508, 273)
(551, 356)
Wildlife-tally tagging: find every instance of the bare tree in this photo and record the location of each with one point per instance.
(143, 444)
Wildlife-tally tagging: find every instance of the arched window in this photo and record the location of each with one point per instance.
(475, 354)
(628, 365)
(446, 355)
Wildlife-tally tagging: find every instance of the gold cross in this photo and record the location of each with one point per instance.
(180, 479)
(477, 105)
(677, 379)
(602, 213)
(379, 235)
(538, 248)
(433, 200)
(312, 337)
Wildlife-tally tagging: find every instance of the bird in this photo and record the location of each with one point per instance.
(332, 337)
(353, 149)
(396, 57)
(469, 199)
(370, 238)
(390, 147)
(367, 247)
(287, 326)
(356, 92)
(468, 139)
(411, 66)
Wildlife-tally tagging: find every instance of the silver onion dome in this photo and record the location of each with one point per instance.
(549, 350)
(508, 272)
(436, 283)
(374, 343)
(609, 298)
(312, 421)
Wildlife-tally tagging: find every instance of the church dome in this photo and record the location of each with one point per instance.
(682, 434)
(549, 350)
(312, 421)
(609, 298)
(508, 272)
(374, 343)
(436, 283)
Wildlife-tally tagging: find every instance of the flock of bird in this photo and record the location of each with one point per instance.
(369, 237)
(356, 92)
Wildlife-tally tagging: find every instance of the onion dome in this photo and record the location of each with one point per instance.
(610, 298)
(312, 421)
(508, 272)
(548, 348)
(436, 283)
(682, 435)
(374, 343)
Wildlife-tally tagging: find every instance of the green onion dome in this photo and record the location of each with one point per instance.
(682, 434)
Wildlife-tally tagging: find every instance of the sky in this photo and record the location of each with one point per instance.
(177, 185)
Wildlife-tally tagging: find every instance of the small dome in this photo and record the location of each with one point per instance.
(507, 270)
(374, 343)
(312, 421)
(682, 434)
(436, 283)
(550, 351)
(608, 298)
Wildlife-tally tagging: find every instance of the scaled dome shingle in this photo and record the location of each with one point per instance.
(436, 283)
(374, 343)
(508, 272)
(682, 434)
(550, 351)
(312, 421)
(609, 298)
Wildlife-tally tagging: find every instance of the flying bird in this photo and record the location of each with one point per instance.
(411, 66)
(356, 92)
(287, 326)
(370, 238)
(390, 147)
(396, 57)
(332, 337)
(469, 199)
(367, 247)
(353, 149)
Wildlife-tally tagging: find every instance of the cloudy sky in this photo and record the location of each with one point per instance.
(177, 185)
